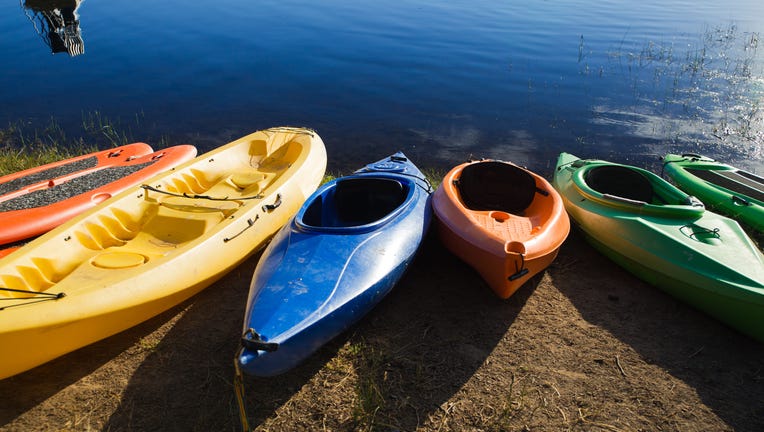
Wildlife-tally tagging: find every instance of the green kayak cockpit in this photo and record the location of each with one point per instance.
(634, 190)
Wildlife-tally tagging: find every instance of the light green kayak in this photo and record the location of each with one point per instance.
(734, 192)
(667, 238)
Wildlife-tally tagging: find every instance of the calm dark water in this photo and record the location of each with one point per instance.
(442, 81)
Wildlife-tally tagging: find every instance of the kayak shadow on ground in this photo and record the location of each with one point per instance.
(186, 382)
(427, 339)
(722, 365)
(418, 346)
(399, 350)
(22, 392)
(175, 371)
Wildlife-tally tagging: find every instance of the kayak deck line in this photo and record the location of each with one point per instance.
(197, 196)
(43, 296)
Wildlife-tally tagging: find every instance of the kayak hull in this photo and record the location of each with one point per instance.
(673, 243)
(332, 264)
(152, 246)
(507, 244)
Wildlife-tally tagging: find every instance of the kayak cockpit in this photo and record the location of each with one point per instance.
(634, 190)
(620, 181)
(504, 199)
(494, 185)
(352, 202)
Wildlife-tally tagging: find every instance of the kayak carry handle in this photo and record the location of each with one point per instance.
(250, 223)
(518, 275)
(692, 155)
(274, 206)
(740, 200)
(519, 249)
(694, 201)
(251, 340)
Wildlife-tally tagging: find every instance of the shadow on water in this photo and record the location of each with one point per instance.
(723, 366)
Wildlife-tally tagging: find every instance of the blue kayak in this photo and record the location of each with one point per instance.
(344, 250)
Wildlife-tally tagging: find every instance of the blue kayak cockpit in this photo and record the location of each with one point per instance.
(355, 202)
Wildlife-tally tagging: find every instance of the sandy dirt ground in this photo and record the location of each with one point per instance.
(583, 347)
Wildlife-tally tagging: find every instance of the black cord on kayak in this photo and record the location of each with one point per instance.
(696, 230)
(428, 189)
(40, 297)
(521, 271)
(195, 196)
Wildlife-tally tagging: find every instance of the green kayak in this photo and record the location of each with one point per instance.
(736, 193)
(667, 238)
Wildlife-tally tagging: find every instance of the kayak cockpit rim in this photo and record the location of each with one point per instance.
(633, 189)
(357, 203)
(496, 185)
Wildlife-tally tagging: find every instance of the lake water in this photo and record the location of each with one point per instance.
(441, 80)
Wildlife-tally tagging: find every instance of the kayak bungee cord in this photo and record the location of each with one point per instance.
(427, 189)
(195, 196)
(399, 159)
(696, 230)
(43, 296)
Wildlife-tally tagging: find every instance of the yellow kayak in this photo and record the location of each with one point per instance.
(152, 246)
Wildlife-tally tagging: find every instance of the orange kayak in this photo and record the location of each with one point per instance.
(506, 222)
(37, 200)
(8, 250)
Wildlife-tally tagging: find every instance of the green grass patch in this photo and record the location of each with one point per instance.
(21, 148)
(26, 145)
